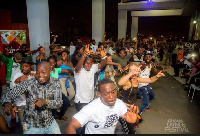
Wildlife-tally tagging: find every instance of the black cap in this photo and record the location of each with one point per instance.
(27, 60)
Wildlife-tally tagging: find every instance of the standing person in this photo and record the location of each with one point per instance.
(43, 93)
(170, 48)
(55, 73)
(72, 48)
(145, 90)
(12, 65)
(20, 102)
(84, 78)
(64, 77)
(104, 112)
(41, 57)
(94, 46)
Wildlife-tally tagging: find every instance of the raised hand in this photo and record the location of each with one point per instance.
(132, 113)
(160, 74)
(87, 50)
(103, 52)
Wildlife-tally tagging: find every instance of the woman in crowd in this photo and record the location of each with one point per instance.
(41, 57)
(55, 73)
(130, 86)
(64, 78)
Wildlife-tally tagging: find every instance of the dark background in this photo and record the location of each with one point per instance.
(73, 19)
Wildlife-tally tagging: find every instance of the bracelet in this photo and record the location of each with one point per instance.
(104, 57)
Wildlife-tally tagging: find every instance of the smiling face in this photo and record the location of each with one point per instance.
(134, 69)
(108, 94)
(43, 72)
(52, 63)
(122, 54)
(26, 68)
(147, 59)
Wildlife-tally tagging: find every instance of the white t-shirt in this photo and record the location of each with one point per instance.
(100, 118)
(85, 84)
(15, 69)
(145, 74)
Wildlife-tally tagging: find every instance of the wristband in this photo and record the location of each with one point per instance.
(104, 57)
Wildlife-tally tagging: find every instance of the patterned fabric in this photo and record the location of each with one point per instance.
(109, 72)
(35, 116)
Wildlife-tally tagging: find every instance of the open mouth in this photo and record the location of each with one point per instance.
(111, 102)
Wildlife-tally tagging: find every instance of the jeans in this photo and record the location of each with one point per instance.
(147, 95)
(20, 114)
(53, 129)
(64, 107)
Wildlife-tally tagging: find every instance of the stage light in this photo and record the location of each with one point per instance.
(195, 22)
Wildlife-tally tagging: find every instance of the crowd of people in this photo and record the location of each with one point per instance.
(103, 80)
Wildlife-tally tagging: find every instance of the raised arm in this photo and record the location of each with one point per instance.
(103, 60)
(6, 100)
(124, 79)
(152, 79)
(82, 59)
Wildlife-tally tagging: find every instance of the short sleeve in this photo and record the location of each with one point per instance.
(59, 70)
(95, 68)
(123, 107)
(128, 56)
(83, 116)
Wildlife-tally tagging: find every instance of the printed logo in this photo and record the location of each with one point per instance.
(176, 125)
(110, 120)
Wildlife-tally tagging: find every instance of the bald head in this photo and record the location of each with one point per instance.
(44, 64)
(43, 72)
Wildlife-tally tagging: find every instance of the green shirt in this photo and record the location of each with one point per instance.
(56, 73)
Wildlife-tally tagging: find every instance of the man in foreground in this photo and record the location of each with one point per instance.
(102, 114)
(43, 93)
